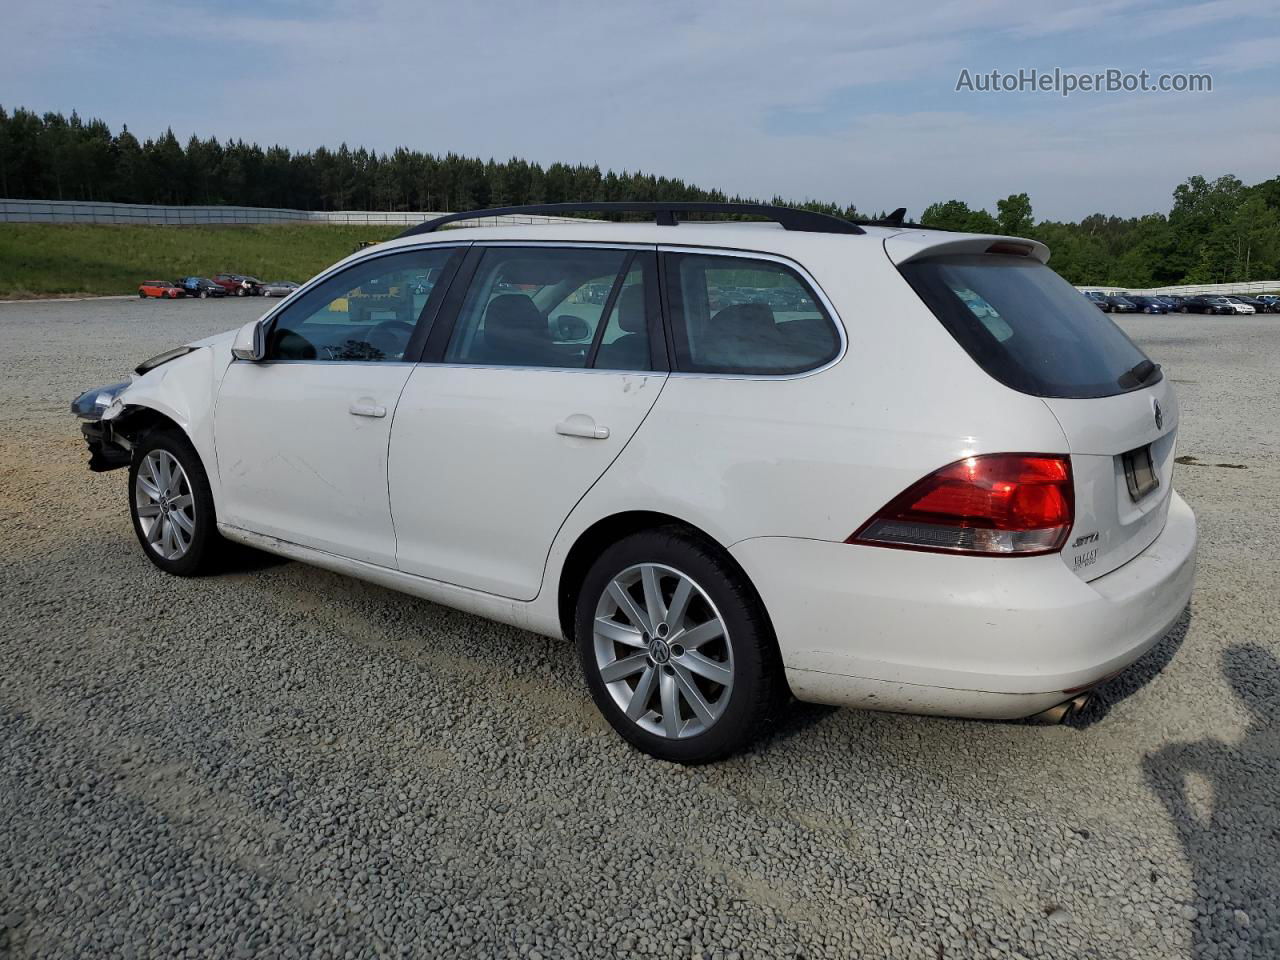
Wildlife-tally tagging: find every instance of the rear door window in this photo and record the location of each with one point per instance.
(1029, 328)
(567, 307)
(741, 315)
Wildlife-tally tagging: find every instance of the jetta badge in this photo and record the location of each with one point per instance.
(1155, 407)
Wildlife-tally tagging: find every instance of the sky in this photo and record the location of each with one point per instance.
(851, 102)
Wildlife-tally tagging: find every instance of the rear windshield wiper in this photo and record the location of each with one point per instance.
(1138, 374)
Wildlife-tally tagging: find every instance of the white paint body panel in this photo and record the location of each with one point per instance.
(488, 499)
(992, 637)
(481, 481)
(295, 463)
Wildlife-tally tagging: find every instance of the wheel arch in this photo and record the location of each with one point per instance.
(609, 530)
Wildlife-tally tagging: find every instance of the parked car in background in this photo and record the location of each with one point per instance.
(277, 288)
(1170, 301)
(201, 287)
(1271, 301)
(159, 288)
(1205, 304)
(1148, 304)
(1121, 304)
(1099, 300)
(1240, 305)
(720, 505)
(1258, 305)
(237, 284)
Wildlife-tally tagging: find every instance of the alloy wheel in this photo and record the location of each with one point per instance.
(164, 504)
(663, 651)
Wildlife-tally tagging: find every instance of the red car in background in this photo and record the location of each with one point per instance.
(160, 288)
(238, 285)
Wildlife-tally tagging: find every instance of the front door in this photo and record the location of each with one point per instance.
(302, 437)
(547, 374)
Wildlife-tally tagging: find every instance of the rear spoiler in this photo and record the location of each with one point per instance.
(914, 244)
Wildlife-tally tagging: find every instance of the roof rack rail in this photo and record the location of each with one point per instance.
(664, 214)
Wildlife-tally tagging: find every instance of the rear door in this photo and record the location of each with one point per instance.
(552, 361)
(1028, 328)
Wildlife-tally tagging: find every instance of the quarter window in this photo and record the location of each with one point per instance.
(554, 307)
(368, 312)
(738, 315)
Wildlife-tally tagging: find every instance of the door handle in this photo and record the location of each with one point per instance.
(580, 425)
(365, 408)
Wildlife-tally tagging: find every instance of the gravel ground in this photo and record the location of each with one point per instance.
(282, 762)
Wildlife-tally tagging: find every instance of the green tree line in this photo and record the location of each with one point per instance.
(1216, 231)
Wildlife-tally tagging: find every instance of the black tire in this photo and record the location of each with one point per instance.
(204, 294)
(241, 291)
(206, 545)
(758, 685)
(142, 295)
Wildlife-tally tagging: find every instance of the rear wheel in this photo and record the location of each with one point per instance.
(204, 294)
(142, 294)
(240, 291)
(676, 648)
(172, 506)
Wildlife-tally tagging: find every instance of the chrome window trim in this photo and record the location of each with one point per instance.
(491, 366)
(660, 248)
(602, 245)
(329, 363)
(805, 275)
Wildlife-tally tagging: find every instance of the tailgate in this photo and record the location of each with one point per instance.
(1109, 439)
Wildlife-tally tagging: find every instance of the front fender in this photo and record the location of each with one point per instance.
(184, 391)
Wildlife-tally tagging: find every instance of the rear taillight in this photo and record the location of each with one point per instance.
(998, 504)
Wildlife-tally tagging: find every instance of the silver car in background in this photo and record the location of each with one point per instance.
(278, 288)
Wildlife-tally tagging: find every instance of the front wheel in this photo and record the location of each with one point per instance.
(142, 294)
(204, 294)
(676, 648)
(240, 291)
(172, 506)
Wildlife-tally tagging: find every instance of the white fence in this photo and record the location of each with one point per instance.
(77, 211)
(1216, 289)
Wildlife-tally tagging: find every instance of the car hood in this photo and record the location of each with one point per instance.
(217, 340)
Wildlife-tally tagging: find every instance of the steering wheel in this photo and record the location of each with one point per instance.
(390, 337)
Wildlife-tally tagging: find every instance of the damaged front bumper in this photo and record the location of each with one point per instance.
(107, 449)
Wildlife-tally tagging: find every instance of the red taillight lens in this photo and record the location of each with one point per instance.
(1000, 504)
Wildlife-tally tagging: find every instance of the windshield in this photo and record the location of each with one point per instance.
(1026, 326)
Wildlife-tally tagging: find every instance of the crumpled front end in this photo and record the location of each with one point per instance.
(107, 450)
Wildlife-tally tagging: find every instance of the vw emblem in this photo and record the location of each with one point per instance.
(659, 652)
(1155, 408)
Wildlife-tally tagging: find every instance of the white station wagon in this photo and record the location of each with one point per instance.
(878, 466)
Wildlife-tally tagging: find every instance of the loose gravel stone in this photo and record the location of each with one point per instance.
(280, 762)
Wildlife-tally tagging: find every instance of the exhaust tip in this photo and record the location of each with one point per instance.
(1063, 712)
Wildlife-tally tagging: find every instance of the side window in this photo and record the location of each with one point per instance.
(546, 307)
(367, 312)
(745, 316)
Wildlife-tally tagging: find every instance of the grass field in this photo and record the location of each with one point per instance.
(40, 260)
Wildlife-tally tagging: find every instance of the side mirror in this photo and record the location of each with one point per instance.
(250, 342)
(572, 328)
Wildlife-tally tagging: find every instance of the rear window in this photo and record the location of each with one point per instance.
(1027, 327)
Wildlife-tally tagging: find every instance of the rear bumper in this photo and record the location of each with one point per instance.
(966, 636)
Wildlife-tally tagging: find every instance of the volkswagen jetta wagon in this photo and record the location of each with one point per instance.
(877, 466)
